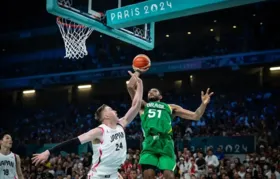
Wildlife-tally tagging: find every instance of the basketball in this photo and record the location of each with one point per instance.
(141, 62)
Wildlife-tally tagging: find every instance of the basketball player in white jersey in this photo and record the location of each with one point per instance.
(108, 139)
(10, 167)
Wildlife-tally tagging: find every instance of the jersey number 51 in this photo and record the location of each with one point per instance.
(153, 113)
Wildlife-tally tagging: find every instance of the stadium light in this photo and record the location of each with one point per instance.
(28, 92)
(127, 82)
(84, 86)
(274, 68)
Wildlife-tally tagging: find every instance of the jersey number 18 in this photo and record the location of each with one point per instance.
(153, 113)
(6, 171)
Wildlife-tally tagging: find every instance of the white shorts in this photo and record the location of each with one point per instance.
(95, 175)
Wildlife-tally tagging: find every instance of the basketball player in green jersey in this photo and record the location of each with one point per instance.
(156, 118)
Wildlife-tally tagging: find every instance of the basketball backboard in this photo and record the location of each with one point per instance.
(133, 21)
(90, 14)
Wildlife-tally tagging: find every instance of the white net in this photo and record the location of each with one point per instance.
(74, 35)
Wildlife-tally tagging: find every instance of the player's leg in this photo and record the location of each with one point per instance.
(149, 171)
(167, 161)
(149, 164)
(149, 158)
(168, 165)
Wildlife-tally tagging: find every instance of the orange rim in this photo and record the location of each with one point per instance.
(58, 20)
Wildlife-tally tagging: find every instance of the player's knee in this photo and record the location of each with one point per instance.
(149, 174)
(167, 174)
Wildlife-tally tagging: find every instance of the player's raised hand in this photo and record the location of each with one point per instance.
(140, 70)
(40, 158)
(205, 98)
(134, 79)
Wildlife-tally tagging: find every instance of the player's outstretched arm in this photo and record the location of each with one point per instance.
(186, 114)
(131, 86)
(136, 102)
(18, 166)
(65, 146)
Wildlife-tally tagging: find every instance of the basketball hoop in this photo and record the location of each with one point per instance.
(74, 36)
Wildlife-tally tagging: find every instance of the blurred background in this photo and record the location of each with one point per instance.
(46, 99)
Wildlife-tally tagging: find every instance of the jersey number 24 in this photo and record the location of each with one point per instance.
(154, 113)
(119, 146)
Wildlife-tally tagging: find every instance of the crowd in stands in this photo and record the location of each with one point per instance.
(195, 165)
(227, 115)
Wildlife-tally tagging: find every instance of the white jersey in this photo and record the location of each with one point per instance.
(109, 154)
(8, 168)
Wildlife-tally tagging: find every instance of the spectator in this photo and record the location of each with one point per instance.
(192, 169)
(242, 172)
(212, 161)
(183, 166)
(220, 154)
(133, 174)
(201, 164)
(273, 173)
(59, 171)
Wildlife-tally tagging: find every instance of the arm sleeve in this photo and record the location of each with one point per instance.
(64, 146)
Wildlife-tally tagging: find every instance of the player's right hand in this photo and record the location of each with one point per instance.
(134, 78)
(40, 158)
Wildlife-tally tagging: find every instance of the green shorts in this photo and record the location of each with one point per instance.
(158, 152)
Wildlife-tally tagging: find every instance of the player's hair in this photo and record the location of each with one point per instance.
(158, 90)
(3, 134)
(98, 113)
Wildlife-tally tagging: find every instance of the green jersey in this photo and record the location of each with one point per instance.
(156, 119)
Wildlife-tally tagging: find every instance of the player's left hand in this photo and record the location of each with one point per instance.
(205, 98)
(40, 158)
